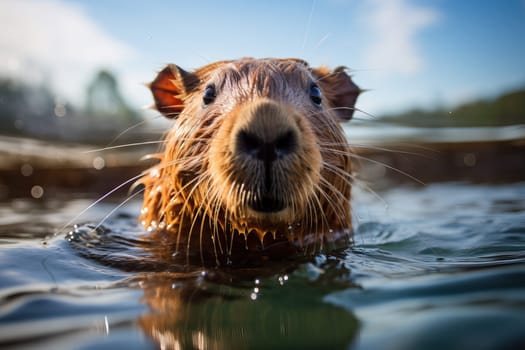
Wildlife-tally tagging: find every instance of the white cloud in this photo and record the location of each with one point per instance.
(55, 42)
(393, 26)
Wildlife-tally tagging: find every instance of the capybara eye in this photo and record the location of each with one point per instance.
(315, 95)
(209, 95)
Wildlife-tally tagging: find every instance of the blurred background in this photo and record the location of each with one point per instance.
(445, 81)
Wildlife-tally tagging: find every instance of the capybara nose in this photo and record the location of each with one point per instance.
(267, 149)
(266, 131)
(266, 134)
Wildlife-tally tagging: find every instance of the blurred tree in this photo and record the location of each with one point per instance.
(10, 97)
(35, 111)
(105, 103)
(26, 110)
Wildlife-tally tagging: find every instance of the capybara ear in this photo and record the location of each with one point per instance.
(339, 89)
(170, 88)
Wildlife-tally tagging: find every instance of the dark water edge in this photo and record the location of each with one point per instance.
(440, 266)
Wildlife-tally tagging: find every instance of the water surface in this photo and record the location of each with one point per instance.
(432, 267)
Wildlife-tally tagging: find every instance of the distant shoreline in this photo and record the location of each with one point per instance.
(68, 171)
(506, 109)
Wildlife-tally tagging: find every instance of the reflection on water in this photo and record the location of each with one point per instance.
(216, 313)
(445, 259)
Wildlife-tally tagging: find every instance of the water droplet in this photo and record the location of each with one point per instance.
(154, 173)
(26, 169)
(256, 290)
(99, 163)
(37, 191)
(257, 281)
(60, 107)
(253, 296)
(469, 159)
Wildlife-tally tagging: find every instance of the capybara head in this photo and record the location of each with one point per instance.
(256, 163)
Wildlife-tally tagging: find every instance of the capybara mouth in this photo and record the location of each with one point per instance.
(266, 204)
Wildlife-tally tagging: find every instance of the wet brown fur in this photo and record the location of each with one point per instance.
(200, 190)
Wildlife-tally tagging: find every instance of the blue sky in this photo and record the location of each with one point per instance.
(409, 53)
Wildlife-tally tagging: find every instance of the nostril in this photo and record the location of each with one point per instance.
(285, 144)
(249, 143)
(267, 151)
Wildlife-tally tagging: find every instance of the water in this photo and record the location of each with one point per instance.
(440, 266)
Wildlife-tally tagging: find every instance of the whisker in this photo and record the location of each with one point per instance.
(379, 148)
(353, 181)
(375, 148)
(322, 40)
(96, 202)
(307, 31)
(339, 212)
(324, 221)
(126, 130)
(117, 208)
(214, 208)
(123, 146)
(195, 184)
(389, 167)
(355, 109)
